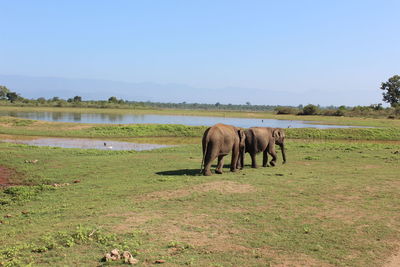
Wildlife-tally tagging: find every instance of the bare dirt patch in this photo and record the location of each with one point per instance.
(223, 187)
(79, 127)
(5, 176)
(343, 213)
(394, 260)
(201, 230)
(282, 259)
(299, 261)
(132, 220)
(370, 166)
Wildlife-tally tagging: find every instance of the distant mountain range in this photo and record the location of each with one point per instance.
(91, 89)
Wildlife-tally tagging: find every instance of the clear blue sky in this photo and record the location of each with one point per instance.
(292, 46)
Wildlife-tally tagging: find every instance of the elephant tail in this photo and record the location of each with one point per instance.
(204, 155)
(204, 146)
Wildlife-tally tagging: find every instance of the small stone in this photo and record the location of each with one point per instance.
(115, 252)
(126, 255)
(24, 212)
(108, 257)
(7, 216)
(133, 261)
(115, 257)
(34, 161)
(159, 261)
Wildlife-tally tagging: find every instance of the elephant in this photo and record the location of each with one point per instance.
(218, 141)
(263, 139)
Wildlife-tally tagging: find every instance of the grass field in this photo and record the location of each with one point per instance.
(335, 203)
(332, 204)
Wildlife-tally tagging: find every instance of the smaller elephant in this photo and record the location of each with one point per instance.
(263, 139)
(218, 141)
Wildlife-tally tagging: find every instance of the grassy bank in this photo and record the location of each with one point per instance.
(15, 126)
(332, 204)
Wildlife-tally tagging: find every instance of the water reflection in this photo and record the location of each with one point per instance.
(161, 119)
(56, 116)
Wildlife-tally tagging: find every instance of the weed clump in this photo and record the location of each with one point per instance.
(22, 193)
(16, 255)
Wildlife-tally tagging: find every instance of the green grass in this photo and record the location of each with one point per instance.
(23, 127)
(333, 203)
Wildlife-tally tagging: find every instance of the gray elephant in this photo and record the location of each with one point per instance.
(263, 139)
(218, 141)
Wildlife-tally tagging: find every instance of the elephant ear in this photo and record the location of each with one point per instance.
(278, 134)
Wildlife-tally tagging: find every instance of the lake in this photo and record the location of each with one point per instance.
(162, 119)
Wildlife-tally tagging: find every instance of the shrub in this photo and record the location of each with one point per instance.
(339, 112)
(286, 110)
(310, 110)
(397, 110)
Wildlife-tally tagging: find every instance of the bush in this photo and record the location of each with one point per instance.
(310, 110)
(397, 111)
(339, 112)
(286, 110)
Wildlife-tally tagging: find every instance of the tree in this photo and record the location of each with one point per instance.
(391, 90)
(112, 99)
(310, 110)
(41, 100)
(13, 96)
(3, 92)
(77, 99)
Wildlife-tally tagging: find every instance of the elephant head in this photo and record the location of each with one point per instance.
(279, 135)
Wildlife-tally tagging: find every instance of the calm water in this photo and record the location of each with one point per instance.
(161, 119)
(84, 143)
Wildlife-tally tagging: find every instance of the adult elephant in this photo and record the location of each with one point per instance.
(218, 141)
(263, 139)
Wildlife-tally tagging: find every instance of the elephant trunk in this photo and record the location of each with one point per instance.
(283, 152)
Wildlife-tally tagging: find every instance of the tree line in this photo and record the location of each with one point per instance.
(391, 95)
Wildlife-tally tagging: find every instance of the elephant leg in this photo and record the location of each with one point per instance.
(235, 158)
(265, 158)
(253, 160)
(240, 164)
(220, 164)
(272, 152)
(210, 157)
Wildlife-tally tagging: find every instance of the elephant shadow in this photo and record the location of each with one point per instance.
(191, 172)
(226, 166)
(187, 172)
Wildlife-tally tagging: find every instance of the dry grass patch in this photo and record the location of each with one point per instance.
(370, 166)
(298, 261)
(201, 231)
(132, 220)
(223, 187)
